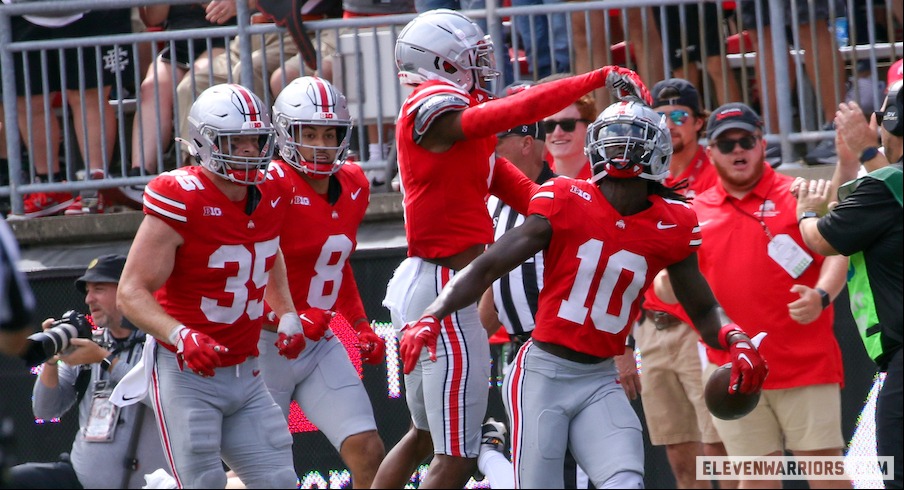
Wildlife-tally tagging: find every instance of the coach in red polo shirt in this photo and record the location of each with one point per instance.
(767, 280)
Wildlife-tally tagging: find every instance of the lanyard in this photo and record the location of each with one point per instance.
(762, 207)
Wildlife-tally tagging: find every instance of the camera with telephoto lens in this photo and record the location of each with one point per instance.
(56, 339)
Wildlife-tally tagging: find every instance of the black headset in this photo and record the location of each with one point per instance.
(892, 120)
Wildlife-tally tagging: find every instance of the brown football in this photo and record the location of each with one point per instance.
(722, 404)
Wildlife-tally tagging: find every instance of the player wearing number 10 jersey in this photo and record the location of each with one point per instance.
(604, 240)
(205, 257)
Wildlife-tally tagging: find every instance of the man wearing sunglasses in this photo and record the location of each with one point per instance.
(765, 277)
(566, 132)
(676, 414)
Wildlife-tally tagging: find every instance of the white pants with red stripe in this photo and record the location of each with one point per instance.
(447, 397)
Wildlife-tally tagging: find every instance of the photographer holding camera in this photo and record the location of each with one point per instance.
(114, 446)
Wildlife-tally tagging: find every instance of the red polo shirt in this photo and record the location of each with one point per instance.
(755, 291)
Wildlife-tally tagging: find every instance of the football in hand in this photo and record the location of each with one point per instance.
(722, 404)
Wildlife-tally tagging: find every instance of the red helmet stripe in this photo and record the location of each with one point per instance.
(254, 113)
(324, 95)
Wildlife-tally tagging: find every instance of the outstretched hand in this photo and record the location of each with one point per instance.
(415, 336)
(623, 83)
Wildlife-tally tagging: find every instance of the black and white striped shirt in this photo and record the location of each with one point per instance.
(515, 293)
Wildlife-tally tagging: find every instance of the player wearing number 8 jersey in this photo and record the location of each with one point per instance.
(318, 236)
(604, 240)
(205, 257)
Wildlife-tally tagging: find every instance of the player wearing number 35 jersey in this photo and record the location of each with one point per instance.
(202, 263)
(604, 240)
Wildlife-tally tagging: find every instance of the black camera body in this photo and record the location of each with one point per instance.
(48, 343)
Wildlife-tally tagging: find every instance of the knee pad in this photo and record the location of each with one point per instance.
(209, 479)
(624, 479)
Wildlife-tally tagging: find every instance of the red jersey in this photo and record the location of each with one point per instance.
(445, 193)
(700, 175)
(318, 238)
(220, 271)
(599, 263)
(755, 291)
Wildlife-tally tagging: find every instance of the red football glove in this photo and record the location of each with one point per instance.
(196, 350)
(291, 341)
(372, 346)
(315, 322)
(623, 82)
(415, 336)
(748, 368)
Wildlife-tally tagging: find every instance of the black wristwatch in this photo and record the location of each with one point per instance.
(107, 363)
(807, 214)
(826, 300)
(868, 154)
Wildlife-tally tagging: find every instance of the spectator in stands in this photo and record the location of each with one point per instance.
(676, 414)
(822, 62)
(566, 132)
(766, 279)
(111, 444)
(687, 49)
(544, 38)
(153, 125)
(86, 95)
(643, 44)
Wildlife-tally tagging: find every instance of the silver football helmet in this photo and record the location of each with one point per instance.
(629, 139)
(443, 44)
(311, 101)
(221, 117)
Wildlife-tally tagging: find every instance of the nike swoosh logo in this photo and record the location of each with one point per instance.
(746, 359)
(129, 398)
(255, 372)
(274, 202)
(704, 223)
(194, 338)
(662, 226)
(305, 318)
(355, 194)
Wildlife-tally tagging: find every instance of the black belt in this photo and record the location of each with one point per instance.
(566, 353)
(662, 320)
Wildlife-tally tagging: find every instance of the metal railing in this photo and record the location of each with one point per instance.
(361, 63)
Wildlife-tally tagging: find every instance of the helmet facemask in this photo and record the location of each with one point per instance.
(627, 142)
(323, 160)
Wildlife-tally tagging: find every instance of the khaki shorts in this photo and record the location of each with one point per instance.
(672, 378)
(807, 418)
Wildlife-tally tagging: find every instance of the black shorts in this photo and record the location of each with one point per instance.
(690, 25)
(71, 71)
(186, 57)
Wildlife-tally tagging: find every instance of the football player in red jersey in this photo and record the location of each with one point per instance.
(446, 137)
(202, 262)
(318, 236)
(604, 240)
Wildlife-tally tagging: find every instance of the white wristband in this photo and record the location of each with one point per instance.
(175, 334)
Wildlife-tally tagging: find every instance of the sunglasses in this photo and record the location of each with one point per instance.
(567, 125)
(727, 146)
(678, 116)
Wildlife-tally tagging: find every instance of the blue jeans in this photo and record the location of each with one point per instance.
(536, 43)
